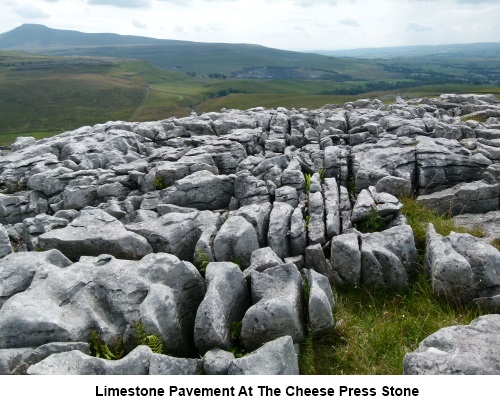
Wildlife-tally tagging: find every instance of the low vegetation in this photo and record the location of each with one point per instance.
(376, 328)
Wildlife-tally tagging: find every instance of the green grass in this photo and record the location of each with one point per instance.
(419, 216)
(376, 328)
(9, 139)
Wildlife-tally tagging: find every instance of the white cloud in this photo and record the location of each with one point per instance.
(350, 21)
(139, 24)
(28, 11)
(121, 3)
(418, 28)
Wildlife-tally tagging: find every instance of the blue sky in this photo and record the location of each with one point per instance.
(286, 24)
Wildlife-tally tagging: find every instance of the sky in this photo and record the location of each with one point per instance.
(299, 25)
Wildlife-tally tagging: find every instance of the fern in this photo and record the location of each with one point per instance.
(100, 349)
(152, 341)
(237, 345)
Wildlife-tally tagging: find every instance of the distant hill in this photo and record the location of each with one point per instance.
(238, 60)
(28, 37)
(477, 50)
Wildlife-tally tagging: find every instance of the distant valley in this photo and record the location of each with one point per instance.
(55, 80)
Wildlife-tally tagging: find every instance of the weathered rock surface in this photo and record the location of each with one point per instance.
(107, 295)
(277, 307)
(471, 349)
(225, 303)
(273, 358)
(462, 267)
(477, 198)
(236, 240)
(93, 233)
(202, 190)
(321, 302)
(231, 185)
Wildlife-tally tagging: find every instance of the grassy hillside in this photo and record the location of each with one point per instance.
(44, 95)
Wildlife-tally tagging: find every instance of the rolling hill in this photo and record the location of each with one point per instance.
(201, 58)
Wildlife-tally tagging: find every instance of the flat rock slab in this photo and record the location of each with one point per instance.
(93, 233)
(471, 350)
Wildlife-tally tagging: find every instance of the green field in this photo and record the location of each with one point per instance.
(44, 95)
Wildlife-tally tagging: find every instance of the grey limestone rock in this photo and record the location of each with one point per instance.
(279, 225)
(166, 365)
(489, 223)
(332, 207)
(264, 258)
(476, 197)
(217, 361)
(277, 306)
(346, 257)
(95, 232)
(451, 273)
(250, 190)
(179, 233)
(287, 195)
(75, 362)
(236, 240)
(258, 216)
(315, 259)
(11, 360)
(5, 245)
(273, 358)
(388, 258)
(225, 303)
(467, 350)
(22, 142)
(321, 302)
(107, 295)
(19, 271)
(298, 233)
(202, 190)
(316, 232)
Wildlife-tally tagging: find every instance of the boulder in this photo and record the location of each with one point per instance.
(5, 245)
(316, 232)
(19, 271)
(236, 240)
(224, 304)
(476, 197)
(277, 307)
(180, 234)
(107, 295)
(258, 216)
(166, 365)
(217, 361)
(75, 362)
(202, 190)
(332, 208)
(273, 358)
(263, 259)
(321, 302)
(346, 257)
(279, 225)
(466, 350)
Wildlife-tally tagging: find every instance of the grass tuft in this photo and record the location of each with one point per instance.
(376, 328)
(419, 216)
